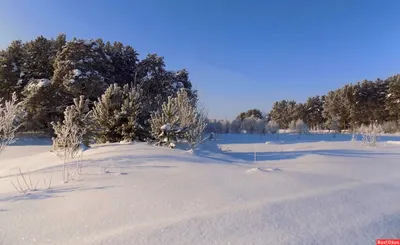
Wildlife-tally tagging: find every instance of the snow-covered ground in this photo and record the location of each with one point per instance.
(312, 190)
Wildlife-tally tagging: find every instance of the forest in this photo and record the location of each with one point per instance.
(101, 87)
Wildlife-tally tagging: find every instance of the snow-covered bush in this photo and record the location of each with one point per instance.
(301, 127)
(116, 114)
(370, 134)
(70, 135)
(389, 127)
(77, 115)
(9, 122)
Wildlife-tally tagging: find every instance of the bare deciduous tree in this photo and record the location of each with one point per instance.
(9, 123)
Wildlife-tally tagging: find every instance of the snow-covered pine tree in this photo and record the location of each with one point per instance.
(163, 120)
(130, 111)
(43, 103)
(83, 68)
(116, 114)
(106, 112)
(38, 60)
(192, 119)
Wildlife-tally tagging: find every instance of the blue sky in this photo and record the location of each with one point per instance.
(240, 54)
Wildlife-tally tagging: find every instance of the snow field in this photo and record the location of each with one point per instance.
(312, 190)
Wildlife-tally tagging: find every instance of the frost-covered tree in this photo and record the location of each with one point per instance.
(225, 126)
(116, 114)
(273, 128)
(235, 126)
(77, 115)
(334, 125)
(370, 134)
(83, 68)
(71, 133)
(164, 120)
(259, 126)
(301, 127)
(249, 125)
(179, 116)
(195, 130)
(9, 121)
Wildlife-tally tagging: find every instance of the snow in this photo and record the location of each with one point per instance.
(76, 72)
(22, 74)
(88, 60)
(15, 67)
(393, 142)
(165, 127)
(313, 190)
(39, 83)
(87, 42)
(43, 83)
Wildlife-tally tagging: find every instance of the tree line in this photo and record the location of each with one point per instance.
(347, 108)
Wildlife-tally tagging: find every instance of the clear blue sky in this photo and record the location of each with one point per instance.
(240, 54)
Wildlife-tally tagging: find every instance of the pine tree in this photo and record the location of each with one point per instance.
(393, 98)
(116, 114)
(83, 68)
(38, 63)
(163, 120)
(11, 61)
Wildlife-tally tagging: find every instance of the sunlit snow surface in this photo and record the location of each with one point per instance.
(313, 190)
